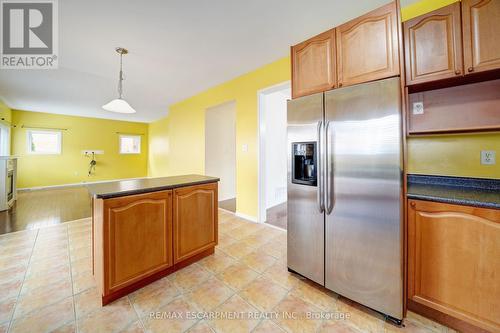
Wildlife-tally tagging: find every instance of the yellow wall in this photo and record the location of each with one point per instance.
(158, 159)
(71, 166)
(423, 7)
(454, 155)
(5, 112)
(178, 141)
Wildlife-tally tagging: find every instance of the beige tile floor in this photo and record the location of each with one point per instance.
(46, 285)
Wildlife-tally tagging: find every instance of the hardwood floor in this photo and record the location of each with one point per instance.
(40, 208)
(276, 216)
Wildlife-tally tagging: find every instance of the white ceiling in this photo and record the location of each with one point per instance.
(177, 48)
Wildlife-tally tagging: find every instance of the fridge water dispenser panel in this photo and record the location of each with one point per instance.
(304, 163)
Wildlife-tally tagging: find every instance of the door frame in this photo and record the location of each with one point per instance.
(261, 152)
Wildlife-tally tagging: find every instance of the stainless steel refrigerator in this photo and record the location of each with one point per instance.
(345, 193)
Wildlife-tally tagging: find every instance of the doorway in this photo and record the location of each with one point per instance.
(220, 151)
(273, 154)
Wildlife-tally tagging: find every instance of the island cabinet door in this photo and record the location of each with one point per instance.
(481, 28)
(433, 45)
(137, 237)
(195, 220)
(367, 47)
(454, 264)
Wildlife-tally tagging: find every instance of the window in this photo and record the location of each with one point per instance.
(44, 142)
(4, 140)
(130, 144)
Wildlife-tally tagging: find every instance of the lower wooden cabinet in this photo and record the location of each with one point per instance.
(454, 264)
(195, 210)
(139, 237)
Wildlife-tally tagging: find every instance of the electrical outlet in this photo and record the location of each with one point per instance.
(89, 152)
(418, 108)
(488, 157)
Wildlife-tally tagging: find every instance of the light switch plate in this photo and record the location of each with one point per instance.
(418, 108)
(244, 148)
(488, 157)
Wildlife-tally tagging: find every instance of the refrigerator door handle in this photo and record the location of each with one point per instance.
(328, 171)
(319, 171)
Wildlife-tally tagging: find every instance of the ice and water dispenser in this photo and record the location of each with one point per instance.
(304, 163)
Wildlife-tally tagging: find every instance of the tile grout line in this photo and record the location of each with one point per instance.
(290, 292)
(262, 274)
(50, 303)
(22, 284)
(274, 320)
(71, 278)
(214, 275)
(259, 274)
(137, 313)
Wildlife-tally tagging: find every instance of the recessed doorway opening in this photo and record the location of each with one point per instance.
(273, 154)
(220, 151)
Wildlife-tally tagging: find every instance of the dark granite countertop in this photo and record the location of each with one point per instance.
(455, 190)
(137, 186)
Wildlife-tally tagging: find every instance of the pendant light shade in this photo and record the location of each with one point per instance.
(119, 105)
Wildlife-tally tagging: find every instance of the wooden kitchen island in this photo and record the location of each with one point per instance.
(145, 229)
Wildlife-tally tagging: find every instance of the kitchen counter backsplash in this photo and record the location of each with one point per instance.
(455, 190)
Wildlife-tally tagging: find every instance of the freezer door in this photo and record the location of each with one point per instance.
(305, 250)
(364, 195)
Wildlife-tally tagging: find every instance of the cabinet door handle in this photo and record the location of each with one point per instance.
(412, 204)
(471, 69)
(458, 72)
(340, 84)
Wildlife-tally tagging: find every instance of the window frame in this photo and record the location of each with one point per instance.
(129, 136)
(44, 131)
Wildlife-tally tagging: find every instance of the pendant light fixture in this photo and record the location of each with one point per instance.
(119, 105)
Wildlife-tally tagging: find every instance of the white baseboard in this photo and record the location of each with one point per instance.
(274, 227)
(247, 217)
(254, 220)
(75, 184)
(227, 211)
(79, 220)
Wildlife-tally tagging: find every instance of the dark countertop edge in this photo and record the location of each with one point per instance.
(454, 201)
(433, 183)
(468, 182)
(152, 189)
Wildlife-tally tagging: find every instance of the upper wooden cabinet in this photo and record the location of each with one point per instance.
(362, 50)
(367, 47)
(481, 33)
(195, 220)
(454, 264)
(313, 65)
(433, 45)
(433, 42)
